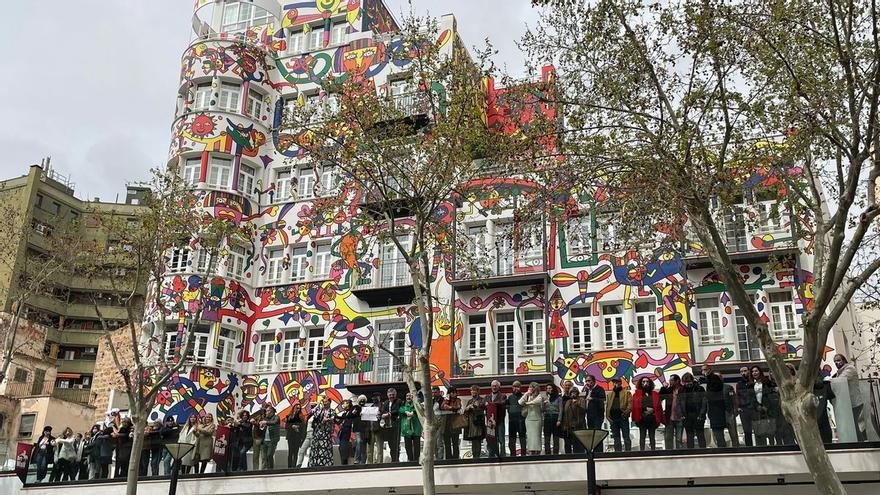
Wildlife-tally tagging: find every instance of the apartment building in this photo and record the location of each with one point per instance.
(63, 309)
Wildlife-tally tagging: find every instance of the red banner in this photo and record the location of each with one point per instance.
(221, 446)
(23, 459)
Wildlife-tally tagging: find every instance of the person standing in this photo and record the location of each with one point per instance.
(572, 418)
(765, 403)
(67, 460)
(532, 403)
(822, 391)
(360, 432)
(411, 429)
(847, 370)
(306, 447)
(389, 421)
(440, 421)
(44, 453)
(169, 434)
(550, 420)
(720, 407)
(496, 448)
(618, 408)
(88, 447)
(516, 423)
(273, 436)
(375, 452)
(451, 441)
(123, 438)
(151, 438)
(204, 442)
(295, 432)
(258, 436)
(104, 446)
(323, 420)
(595, 405)
(647, 413)
(692, 408)
(744, 406)
(669, 395)
(345, 421)
(475, 411)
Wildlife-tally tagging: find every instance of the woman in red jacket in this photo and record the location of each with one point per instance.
(647, 413)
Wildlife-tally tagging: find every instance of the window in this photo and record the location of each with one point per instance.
(239, 16)
(392, 336)
(295, 43)
(735, 237)
(646, 324)
(298, 263)
(477, 336)
(226, 346)
(42, 228)
(21, 375)
(771, 217)
(533, 321)
(782, 316)
(578, 236)
(274, 268)
(607, 234)
(315, 351)
(393, 270)
(203, 256)
(503, 248)
(254, 105)
(315, 39)
(230, 96)
(245, 179)
(198, 351)
(477, 245)
(235, 260)
(504, 340)
(612, 320)
(74, 215)
(192, 170)
(323, 259)
(219, 172)
(531, 244)
(749, 347)
(54, 208)
(178, 262)
(282, 185)
(202, 97)
(338, 32)
(26, 426)
(290, 349)
(68, 355)
(709, 317)
(329, 179)
(38, 201)
(265, 353)
(305, 183)
(581, 340)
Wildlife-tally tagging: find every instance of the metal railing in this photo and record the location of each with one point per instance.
(78, 395)
(391, 273)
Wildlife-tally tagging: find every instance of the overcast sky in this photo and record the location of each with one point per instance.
(92, 83)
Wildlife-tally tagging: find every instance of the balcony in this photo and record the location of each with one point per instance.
(86, 366)
(390, 284)
(78, 395)
(78, 338)
(490, 273)
(21, 390)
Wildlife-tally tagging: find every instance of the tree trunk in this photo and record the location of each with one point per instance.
(800, 410)
(139, 420)
(9, 344)
(429, 450)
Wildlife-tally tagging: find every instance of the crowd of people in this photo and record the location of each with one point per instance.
(530, 420)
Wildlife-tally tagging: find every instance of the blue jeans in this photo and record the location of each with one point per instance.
(360, 447)
(672, 435)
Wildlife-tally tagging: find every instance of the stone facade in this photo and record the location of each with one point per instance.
(108, 386)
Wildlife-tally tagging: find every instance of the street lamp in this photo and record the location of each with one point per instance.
(591, 439)
(178, 451)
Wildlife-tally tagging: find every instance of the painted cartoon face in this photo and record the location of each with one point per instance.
(357, 61)
(202, 126)
(207, 377)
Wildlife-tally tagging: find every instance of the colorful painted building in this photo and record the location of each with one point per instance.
(287, 319)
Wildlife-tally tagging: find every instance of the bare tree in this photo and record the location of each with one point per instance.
(173, 233)
(36, 254)
(685, 106)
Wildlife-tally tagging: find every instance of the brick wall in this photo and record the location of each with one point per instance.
(107, 377)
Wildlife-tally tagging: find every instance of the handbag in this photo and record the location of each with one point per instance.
(763, 427)
(459, 422)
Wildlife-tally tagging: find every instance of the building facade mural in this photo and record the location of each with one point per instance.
(286, 320)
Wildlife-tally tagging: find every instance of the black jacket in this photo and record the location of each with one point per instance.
(48, 450)
(769, 406)
(393, 408)
(720, 402)
(744, 396)
(596, 407)
(692, 404)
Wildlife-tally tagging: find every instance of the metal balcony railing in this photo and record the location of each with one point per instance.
(78, 395)
(391, 273)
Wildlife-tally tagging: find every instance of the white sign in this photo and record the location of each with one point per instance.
(370, 413)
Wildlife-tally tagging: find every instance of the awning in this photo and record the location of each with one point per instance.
(68, 375)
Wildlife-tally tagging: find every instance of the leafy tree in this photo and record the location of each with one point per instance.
(402, 159)
(680, 106)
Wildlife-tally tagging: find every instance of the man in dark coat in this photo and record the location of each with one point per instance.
(692, 408)
(595, 405)
(389, 422)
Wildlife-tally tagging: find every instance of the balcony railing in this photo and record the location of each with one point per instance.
(391, 273)
(28, 389)
(78, 395)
